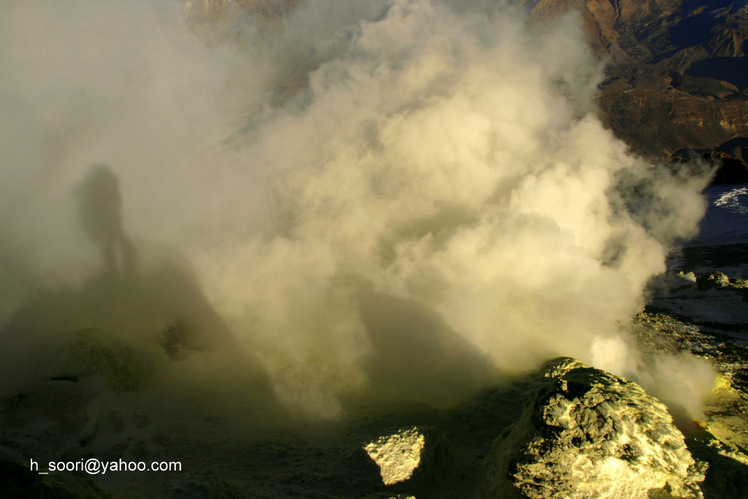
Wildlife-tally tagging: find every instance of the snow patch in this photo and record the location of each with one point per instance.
(734, 200)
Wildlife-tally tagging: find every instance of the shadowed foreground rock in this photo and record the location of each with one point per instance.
(589, 433)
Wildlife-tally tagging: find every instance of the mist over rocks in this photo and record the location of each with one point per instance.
(675, 75)
(415, 357)
(728, 160)
(130, 302)
(433, 152)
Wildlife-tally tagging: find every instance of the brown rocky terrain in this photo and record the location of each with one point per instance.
(678, 69)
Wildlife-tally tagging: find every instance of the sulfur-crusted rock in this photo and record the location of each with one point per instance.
(589, 433)
(413, 459)
(397, 455)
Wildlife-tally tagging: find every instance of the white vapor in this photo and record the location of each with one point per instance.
(442, 154)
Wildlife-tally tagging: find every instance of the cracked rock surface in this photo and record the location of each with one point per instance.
(588, 433)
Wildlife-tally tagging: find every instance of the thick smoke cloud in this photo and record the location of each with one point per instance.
(318, 173)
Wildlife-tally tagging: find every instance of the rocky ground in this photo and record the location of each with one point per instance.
(565, 429)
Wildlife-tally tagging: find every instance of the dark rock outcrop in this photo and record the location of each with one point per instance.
(17, 481)
(715, 280)
(728, 160)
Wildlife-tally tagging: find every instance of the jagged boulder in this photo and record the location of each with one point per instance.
(415, 459)
(397, 455)
(715, 280)
(588, 433)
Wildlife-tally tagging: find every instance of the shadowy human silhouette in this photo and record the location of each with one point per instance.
(100, 211)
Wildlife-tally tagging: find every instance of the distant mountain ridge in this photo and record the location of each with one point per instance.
(678, 69)
(676, 33)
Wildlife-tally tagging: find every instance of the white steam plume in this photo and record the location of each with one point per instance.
(445, 155)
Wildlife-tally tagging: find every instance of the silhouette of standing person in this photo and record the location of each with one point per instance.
(100, 211)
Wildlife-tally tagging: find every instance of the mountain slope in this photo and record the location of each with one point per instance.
(678, 69)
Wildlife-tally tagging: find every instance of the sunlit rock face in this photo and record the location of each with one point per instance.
(397, 455)
(416, 459)
(589, 433)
